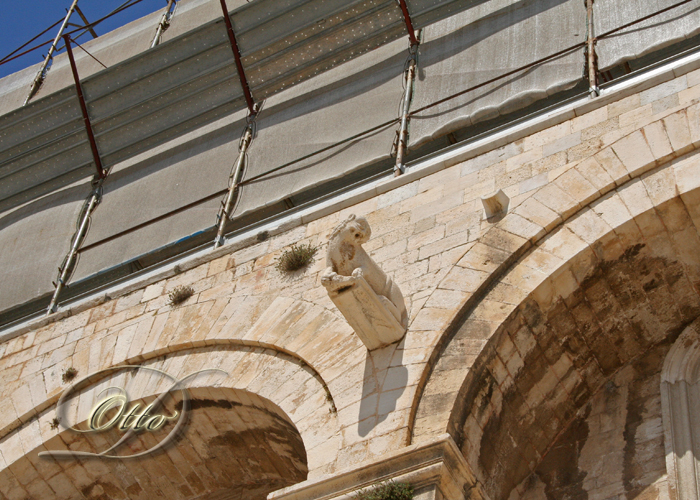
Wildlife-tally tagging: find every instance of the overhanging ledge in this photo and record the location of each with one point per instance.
(436, 470)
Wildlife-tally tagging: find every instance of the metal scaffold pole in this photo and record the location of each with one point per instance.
(41, 75)
(250, 102)
(66, 270)
(590, 52)
(83, 108)
(410, 77)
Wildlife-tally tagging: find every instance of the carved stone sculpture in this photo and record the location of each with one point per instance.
(368, 299)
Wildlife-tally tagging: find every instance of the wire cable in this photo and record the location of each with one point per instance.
(84, 29)
(88, 53)
(30, 41)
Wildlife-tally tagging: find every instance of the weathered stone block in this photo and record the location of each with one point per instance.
(634, 152)
(658, 140)
(612, 165)
(678, 132)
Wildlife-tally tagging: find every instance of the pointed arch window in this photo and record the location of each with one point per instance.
(680, 399)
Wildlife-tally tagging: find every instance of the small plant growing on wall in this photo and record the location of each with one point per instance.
(69, 374)
(180, 294)
(295, 258)
(54, 424)
(387, 491)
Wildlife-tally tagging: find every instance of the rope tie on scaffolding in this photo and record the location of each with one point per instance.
(230, 202)
(70, 262)
(164, 22)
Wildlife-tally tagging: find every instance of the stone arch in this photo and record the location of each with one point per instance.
(236, 444)
(287, 383)
(680, 394)
(141, 357)
(504, 361)
(366, 392)
(646, 164)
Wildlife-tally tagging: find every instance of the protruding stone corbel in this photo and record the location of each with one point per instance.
(495, 204)
(369, 300)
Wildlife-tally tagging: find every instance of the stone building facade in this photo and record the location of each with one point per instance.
(552, 349)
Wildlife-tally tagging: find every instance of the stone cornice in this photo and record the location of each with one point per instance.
(430, 467)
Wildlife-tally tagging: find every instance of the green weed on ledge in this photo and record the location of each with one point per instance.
(180, 294)
(295, 258)
(387, 491)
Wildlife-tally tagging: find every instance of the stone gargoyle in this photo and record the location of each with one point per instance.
(366, 296)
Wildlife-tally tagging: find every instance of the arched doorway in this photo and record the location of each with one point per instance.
(564, 400)
(235, 445)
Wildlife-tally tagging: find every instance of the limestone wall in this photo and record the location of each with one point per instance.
(571, 186)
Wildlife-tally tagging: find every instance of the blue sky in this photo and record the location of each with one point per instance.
(22, 20)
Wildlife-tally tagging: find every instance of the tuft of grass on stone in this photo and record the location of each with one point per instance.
(180, 294)
(387, 491)
(69, 374)
(54, 423)
(295, 258)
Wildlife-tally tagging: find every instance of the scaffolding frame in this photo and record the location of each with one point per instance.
(235, 182)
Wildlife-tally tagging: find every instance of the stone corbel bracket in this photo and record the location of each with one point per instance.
(436, 470)
(367, 314)
(496, 204)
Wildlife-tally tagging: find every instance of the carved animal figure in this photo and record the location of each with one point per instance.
(347, 261)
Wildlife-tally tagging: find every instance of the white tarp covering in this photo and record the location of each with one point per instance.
(341, 103)
(653, 34)
(490, 38)
(34, 239)
(152, 184)
(344, 101)
(485, 42)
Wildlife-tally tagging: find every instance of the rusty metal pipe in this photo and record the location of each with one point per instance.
(402, 145)
(41, 75)
(409, 23)
(237, 56)
(234, 185)
(83, 108)
(87, 23)
(164, 23)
